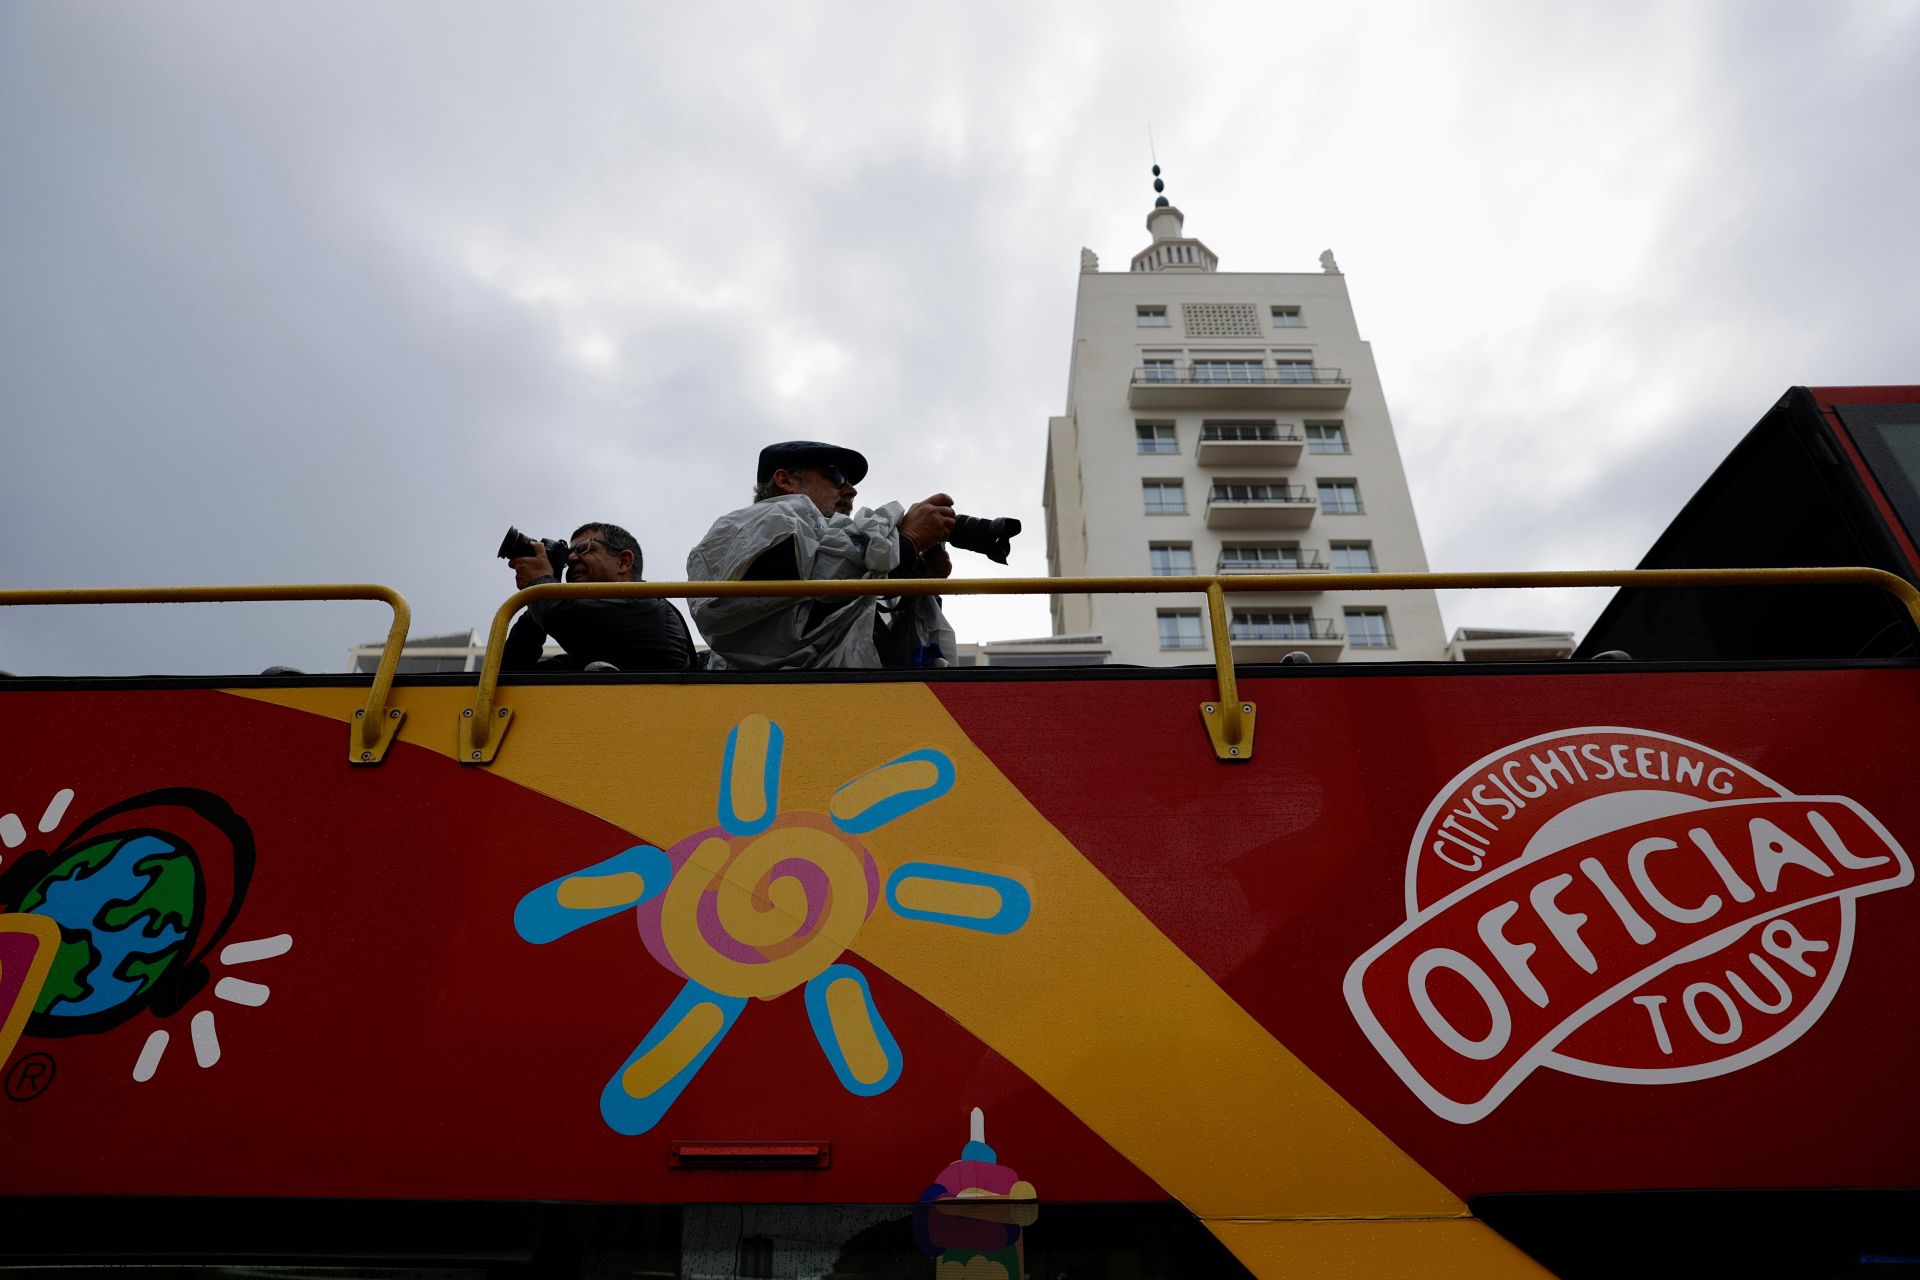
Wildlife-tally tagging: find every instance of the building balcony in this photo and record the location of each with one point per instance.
(1302, 563)
(1270, 641)
(1249, 387)
(1282, 449)
(1268, 506)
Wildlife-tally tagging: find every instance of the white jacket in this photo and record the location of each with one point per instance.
(770, 633)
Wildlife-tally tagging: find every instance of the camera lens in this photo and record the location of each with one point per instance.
(990, 538)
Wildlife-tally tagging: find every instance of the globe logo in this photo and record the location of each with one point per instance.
(140, 892)
(126, 906)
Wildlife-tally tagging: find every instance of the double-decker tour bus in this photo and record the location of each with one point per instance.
(1594, 967)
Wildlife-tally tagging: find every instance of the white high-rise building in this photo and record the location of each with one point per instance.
(1228, 423)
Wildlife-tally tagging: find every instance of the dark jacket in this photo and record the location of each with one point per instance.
(633, 635)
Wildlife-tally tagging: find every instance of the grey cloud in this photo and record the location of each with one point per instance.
(249, 334)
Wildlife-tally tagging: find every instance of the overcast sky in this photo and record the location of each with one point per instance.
(334, 292)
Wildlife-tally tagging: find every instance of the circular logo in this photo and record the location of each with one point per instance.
(759, 915)
(1617, 904)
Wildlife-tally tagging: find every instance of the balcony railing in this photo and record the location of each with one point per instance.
(1198, 385)
(1293, 562)
(1236, 375)
(1214, 434)
(1271, 493)
(1304, 629)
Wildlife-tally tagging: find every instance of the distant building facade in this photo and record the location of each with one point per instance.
(1228, 423)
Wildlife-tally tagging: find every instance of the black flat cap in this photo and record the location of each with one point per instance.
(794, 454)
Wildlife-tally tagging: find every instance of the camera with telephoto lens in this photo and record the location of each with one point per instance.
(990, 538)
(517, 545)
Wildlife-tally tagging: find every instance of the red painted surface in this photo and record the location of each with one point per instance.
(413, 1044)
(1827, 398)
(1278, 874)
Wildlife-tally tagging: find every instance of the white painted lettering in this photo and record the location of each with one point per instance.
(1691, 999)
(1563, 925)
(1774, 849)
(1785, 943)
(1637, 868)
(1511, 955)
(1445, 958)
(1439, 847)
(1782, 992)
(1740, 889)
(1637, 927)
(1572, 753)
(1841, 854)
(1652, 1005)
(1547, 766)
(1591, 750)
(1480, 797)
(1720, 780)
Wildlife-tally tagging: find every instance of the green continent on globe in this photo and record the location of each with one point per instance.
(126, 905)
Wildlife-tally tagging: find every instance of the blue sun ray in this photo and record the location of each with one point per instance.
(663, 1064)
(851, 1032)
(581, 897)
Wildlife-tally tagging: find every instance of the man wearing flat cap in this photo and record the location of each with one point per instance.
(802, 527)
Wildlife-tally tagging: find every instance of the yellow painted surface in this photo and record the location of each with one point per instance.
(750, 768)
(1462, 1249)
(764, 923)
(590, 893)
(853, 1028)
(864, 792)
(974, 901)
(676, 1049)
(1125, 1030)
(47, 934)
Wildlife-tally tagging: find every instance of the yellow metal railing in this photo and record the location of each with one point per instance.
(374, 725)
(1229, 721)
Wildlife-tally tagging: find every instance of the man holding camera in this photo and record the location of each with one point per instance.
(624, 635)
(802, 527)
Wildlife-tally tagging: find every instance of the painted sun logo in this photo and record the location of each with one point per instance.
(766, 902)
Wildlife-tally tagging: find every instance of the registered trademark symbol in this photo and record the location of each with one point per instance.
(30, 1077)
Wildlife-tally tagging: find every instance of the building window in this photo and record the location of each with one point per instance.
(1341, 497)
(1368, 629)
(1150, 317)
(1180, 629)
(1353, 557)
(1165, 497)
(1287, 318)
(1327, 437)
(1293, 371)
(1274, 626)
(1260, 557)
(1158, 370)
(1155, 437)
(1227, 371)
(1170, 559)
(1262, 491)
(1239, 431)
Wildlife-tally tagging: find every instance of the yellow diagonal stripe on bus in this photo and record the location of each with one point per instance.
(1089, 999)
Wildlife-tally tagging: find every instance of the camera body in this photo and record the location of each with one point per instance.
(992, 538)
(517, 544)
